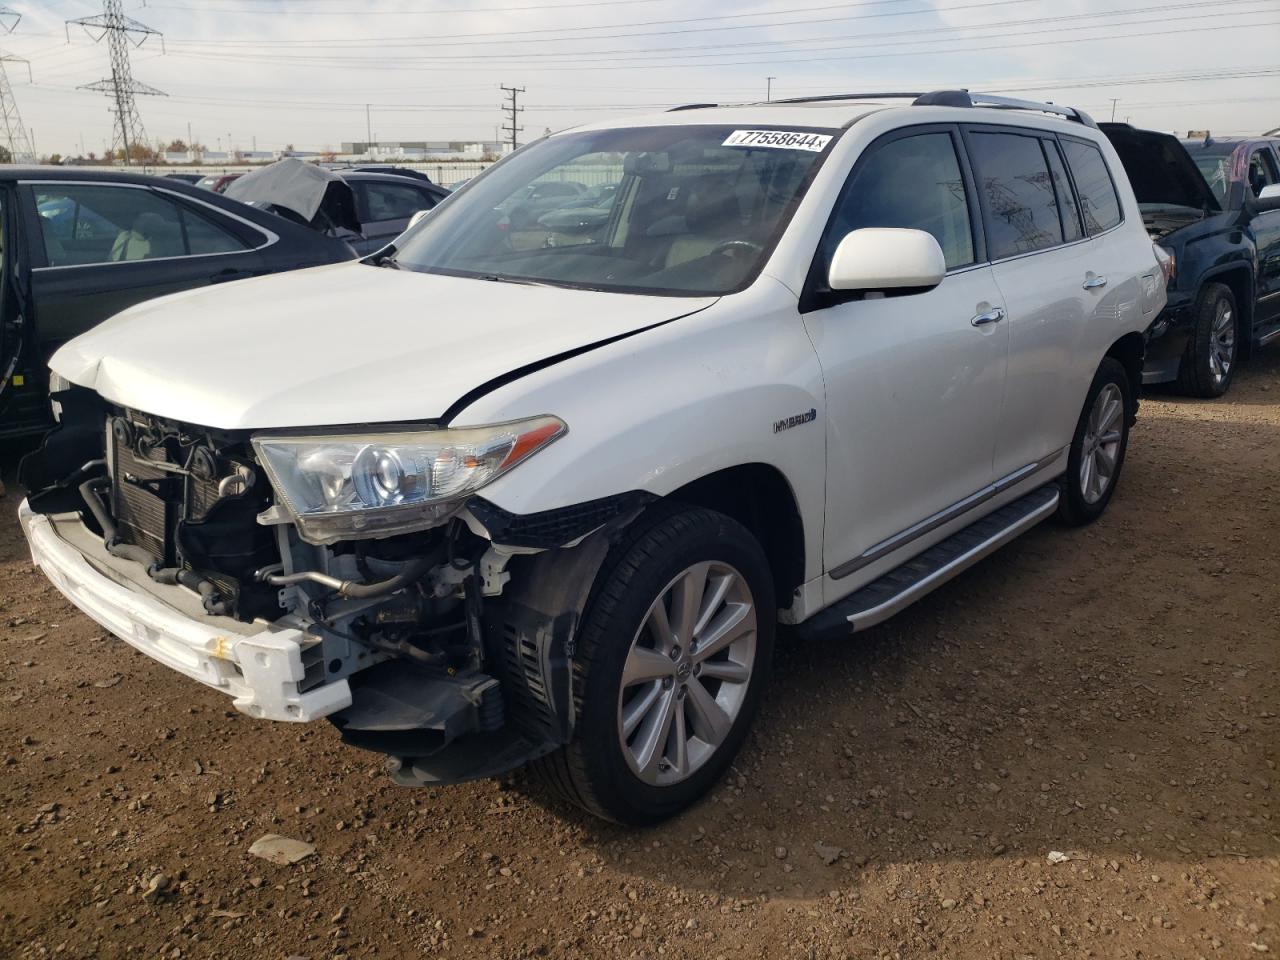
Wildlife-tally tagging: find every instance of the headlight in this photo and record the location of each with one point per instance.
(369, 485)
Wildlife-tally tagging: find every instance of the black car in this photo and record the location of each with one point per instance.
(1204, 202)
(80, 245)
(367, 210)
(392, 169)
(185, 177)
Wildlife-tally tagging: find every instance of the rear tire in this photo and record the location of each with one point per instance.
(658, 727)
(1097, 447)
(1209, 364)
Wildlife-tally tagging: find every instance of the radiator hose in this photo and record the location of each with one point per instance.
(208, 590)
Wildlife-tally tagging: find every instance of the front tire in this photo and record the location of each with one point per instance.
(1097, 447)
(1209, 364)
(672, 656)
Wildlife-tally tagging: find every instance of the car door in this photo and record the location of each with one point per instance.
(1041, 263)
(386, 208)
(100, 247)
(913, 381)
(1265, 227)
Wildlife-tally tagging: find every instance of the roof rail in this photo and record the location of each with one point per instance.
(934, 98)
(965, 98)
(829, 97)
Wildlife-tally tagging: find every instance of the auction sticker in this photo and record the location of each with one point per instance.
(778, 139)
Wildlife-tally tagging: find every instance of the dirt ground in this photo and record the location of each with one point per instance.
(1107, 694)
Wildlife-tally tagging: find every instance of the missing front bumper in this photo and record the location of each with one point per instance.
(259, 667)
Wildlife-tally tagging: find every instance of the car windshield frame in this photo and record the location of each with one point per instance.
(432, 246)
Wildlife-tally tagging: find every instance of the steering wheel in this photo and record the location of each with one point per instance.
(727, 245)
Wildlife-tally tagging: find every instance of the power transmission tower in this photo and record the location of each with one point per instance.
(121, 33)
(512, 109)
(14, 133)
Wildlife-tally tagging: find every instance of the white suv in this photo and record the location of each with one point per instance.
(537, 482)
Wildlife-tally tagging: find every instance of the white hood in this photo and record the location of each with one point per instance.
(343, 344)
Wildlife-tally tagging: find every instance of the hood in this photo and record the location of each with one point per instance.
(319, 197)
(342, 344)
(1159, 168)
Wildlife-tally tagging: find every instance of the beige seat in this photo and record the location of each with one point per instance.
(712, 216)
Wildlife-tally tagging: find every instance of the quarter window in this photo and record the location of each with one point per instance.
(83, 225)
(1098, 200)
(912, 182)
(1013, 177)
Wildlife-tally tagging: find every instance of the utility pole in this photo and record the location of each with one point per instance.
(513, 110)
(121, 33)
(768, 88)
(368, 130)
(1114, 101)
(16, 140)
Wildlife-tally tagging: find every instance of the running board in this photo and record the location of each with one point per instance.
(903, 585)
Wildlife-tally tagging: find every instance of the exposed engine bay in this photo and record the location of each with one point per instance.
(441, 634)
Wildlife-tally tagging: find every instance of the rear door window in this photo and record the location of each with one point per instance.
(393, 201)
(1099, 202)
(89, 224)
(1067, 206)
(1017, 192)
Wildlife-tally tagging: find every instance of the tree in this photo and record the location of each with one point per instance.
(5, 155)
(176, 146)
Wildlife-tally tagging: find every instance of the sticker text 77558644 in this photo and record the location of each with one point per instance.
(778, 139)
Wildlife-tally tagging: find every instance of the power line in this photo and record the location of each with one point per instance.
(407, 64)
(513, 110)
(788, 45)
(121, 32)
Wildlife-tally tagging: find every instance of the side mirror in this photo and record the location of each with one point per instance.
(413, 221)
(887, 258)
(1269, 198)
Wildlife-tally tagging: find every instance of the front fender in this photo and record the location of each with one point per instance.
(738, 383)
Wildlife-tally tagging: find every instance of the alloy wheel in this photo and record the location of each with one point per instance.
(1101, 443)
(687, 673)
(1222, 343)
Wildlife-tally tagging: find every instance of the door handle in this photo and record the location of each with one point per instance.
(1093, 283)
(994, 315)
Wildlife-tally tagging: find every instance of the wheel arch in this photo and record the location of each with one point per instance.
(1130, 351)
(1237, 278)
(758, 496)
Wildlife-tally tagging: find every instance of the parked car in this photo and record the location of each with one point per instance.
(1214, 205)
(367, 210)
(81, 245)
(184, 177)
(482, 506)
(218, 182)
(392, 169)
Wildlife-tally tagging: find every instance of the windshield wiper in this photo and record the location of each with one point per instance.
(495, 278)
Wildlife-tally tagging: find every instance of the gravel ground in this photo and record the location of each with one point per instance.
(1105, 698)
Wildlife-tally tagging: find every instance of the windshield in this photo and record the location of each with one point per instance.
(680, 210)
(1216, 174)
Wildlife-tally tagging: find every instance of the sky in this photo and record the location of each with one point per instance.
(272, 73)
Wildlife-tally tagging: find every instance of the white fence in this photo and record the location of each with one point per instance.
(444, 172)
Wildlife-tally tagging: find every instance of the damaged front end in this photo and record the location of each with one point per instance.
(314, 577)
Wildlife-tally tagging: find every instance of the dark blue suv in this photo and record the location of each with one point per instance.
(1207, 203)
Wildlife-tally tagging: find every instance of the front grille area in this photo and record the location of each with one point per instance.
(191, 501)
(148, 501)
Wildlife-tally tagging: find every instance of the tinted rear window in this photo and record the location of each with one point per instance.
(1013, 178)
(1098, 200)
